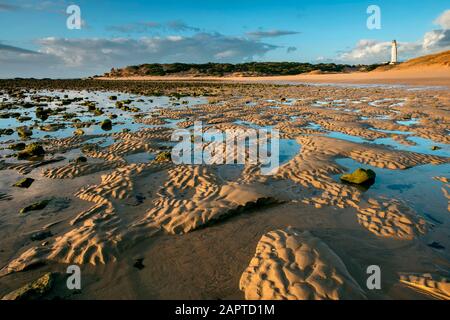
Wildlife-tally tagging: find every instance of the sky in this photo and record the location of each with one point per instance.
(35, 40)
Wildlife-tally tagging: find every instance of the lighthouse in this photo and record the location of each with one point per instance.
(394, 52)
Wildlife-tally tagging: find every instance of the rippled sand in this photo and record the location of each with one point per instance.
(140, 226)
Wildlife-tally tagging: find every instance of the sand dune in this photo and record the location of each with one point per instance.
(421, 76)
(432, 70)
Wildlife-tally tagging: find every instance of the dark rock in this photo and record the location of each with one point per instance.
(436, 245)
(41, 235)
(35, 206)
(81, 159)
(139, 264)
(31, 150)
(6, 132)
(42, 113)
(24, 183)
(106, 125)
(17, 146)
(24, 132)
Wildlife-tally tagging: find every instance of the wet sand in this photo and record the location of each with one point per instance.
(141, 227)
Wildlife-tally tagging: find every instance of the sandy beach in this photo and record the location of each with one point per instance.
(107, 197)
(423, 76)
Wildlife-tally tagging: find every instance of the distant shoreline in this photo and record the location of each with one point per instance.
(424, 76)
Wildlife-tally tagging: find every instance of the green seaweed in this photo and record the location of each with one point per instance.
(359, 176)
(34, 290)
(31, 150)
(78, 132)
(163, 156)
(24, 183)
(35, 206)
(24, 132)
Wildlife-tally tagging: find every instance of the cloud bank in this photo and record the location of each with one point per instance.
(373, 51)
(143, 27)
(66, 58)
(270, 33)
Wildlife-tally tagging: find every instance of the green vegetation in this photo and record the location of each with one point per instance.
(222, 69)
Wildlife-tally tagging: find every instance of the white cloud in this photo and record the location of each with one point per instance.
(225, 54)
(60, 57)
(436, 39)
(443, 20)
(175, 38)
(18, 62)
(373, 51)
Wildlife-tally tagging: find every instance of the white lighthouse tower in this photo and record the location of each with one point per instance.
(394, 52)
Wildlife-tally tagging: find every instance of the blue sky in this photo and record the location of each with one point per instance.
(118, 33)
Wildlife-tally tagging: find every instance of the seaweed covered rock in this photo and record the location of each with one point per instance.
(24, 118)
(17, 146)
(6, 132)
(52, 127)
(42, 113)
(24, 183)
(80, 159)
(41, 235)
(30, 151)
(106, 125)
(78, 132)
(360, 176)
(163, 156)
(24, 132)
(34, 290)
(35, 206)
